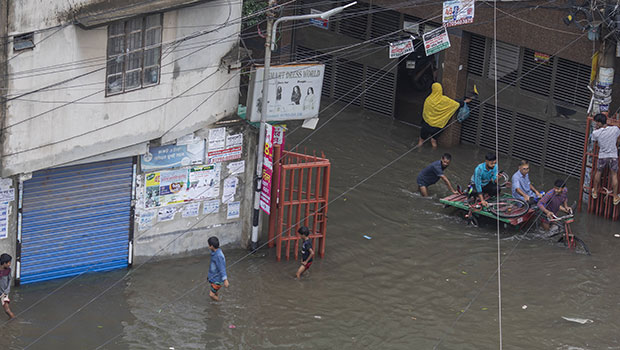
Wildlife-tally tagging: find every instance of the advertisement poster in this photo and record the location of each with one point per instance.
(151, 193)
(204, 182)
(217, 139)
(233, 210)
(278, 134)
(4, 219)
(7, 195)
(166, 214)
(172, 186)
(436, 40)
(401, 48)
(294, 92)
(173, 156)
(265, 196)
(211, 207)
(230, 188)
(236, 167)
(191, 210)
(458, 12)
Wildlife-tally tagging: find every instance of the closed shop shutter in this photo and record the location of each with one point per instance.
(564, 150)
(528, 138)
(379, 96)
(469, 128)
(571, 83)
(476, 59)
(354, 21)
(385, 24)
(76, 219)
(347, 87)
(536, 76)
(507, 63)
(504, 126)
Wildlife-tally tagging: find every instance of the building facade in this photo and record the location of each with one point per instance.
(119, 138)
(544, 69)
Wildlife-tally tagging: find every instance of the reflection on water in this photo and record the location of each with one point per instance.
(405, 288)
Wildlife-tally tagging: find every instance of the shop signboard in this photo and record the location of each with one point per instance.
(265, 196)
(458, 12)
(294, 92)
(173, 156)
(322, 23)
(401, 48)
(436, 40)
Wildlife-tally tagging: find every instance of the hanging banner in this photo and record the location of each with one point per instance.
(294, 92)
(265, 196)
(278, 134)
(436, 40)
(174, 156)
(322, 23)
(401, 48)
(458, 12)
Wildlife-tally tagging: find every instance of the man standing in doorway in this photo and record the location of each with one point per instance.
(432, 173)
(521, 186)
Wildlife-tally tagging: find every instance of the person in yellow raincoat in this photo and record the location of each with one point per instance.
(438, 109)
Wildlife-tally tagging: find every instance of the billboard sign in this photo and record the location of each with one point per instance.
(401, 48)
(294, 92)
(458, 12)
(436, 40)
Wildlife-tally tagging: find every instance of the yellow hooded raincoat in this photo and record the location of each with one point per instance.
(438, 108)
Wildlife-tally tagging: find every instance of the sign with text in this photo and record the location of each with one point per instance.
(322, 23)
(458, 12)
(401, 48)
(294, 92)
(173, 156)
(436, 40)
(265, 196)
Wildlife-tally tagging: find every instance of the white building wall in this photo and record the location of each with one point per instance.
(62, 124)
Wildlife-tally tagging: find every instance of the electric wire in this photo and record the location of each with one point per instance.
(499, 247)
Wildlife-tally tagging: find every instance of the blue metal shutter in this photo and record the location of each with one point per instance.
(76, 219)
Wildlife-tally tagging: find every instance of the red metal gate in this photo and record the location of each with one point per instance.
(299, 197)
(603, 204)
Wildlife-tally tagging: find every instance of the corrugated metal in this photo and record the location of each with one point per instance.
(354, 21)
(507, 62)
(76, 219)
(386, 24)
(469, 128)
(571, 83)
(536, 76)
(476, 59)
(564, 150)
(379, 96)
(528, 138)
(504, 126)
(347, 87)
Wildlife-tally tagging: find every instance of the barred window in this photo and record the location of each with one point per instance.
(134, 54)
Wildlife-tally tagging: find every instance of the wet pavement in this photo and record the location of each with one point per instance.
(425, 280)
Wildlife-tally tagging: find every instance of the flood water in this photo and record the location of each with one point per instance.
(425, 280)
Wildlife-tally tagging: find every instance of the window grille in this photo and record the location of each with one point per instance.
(477, 50)
(134, 54)
(507, 63)
(571, 83)
(536, 76)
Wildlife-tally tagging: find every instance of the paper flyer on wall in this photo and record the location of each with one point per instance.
(211, 207)
(204, 182)
(191, 210)
(146, 219)
(233, 210)
(230, 188)
(217, 139)
(4, 219)
(166, 213)
(236, 167)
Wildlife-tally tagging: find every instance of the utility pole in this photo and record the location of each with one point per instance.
(261, 132)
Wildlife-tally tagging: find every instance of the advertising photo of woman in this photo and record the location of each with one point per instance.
(309, 99)
(296, 95)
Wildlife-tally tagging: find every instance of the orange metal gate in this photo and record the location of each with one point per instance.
(299, 197)
(603, 204)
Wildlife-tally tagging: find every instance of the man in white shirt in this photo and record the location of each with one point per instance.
(608, 138)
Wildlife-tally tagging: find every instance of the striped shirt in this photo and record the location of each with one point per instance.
(552, 201)
(607, 137)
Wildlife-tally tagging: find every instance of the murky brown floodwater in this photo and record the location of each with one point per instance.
(404, 289)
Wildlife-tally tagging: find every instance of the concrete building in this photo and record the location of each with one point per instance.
(544, 70)
(118, 132)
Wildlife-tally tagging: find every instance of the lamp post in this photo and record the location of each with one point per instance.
(269, 46)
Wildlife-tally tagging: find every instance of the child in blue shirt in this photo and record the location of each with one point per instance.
(217, 270)
(307, 253)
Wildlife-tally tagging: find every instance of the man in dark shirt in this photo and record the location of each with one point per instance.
(307, 253)
(432, 173)
(553, 201)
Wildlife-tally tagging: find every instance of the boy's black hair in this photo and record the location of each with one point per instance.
(304, 231)
(559, 183)
(214, 242)
(490, 156)
(5, 258)
(601, 118)
(447, 156)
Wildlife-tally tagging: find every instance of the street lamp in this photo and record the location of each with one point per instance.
(269, 46)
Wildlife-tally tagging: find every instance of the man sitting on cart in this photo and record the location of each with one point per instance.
(553, 201)
(484, 180)
(521, 186)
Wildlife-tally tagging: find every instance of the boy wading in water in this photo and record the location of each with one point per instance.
(307, 253)
(217, 270)
(5, 283)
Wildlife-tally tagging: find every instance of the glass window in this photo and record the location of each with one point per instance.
(133, 54)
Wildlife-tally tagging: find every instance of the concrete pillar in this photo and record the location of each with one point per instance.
(454, 80)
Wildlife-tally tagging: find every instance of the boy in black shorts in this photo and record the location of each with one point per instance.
(307, 253)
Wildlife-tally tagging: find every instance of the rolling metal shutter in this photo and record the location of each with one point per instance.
(528, 139)
(76, 219)
(536, 77)
(476, 58)
(347, 87)
(571, 83)
(385, 24)
(504, 126)
(564, 150)
(379, 96)
(507, 63)
(354, 21)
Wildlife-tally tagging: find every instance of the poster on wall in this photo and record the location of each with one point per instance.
(233, 210)
(203, 182)
(146, 219)
(230, 188)
(457, 12)
(436, 40)
(191, 210)
(4, 219)
(211, 207)
(294, 92)
(151, 192)
(172, 186)
(265, 196)
(173, 156)
(217, 139)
